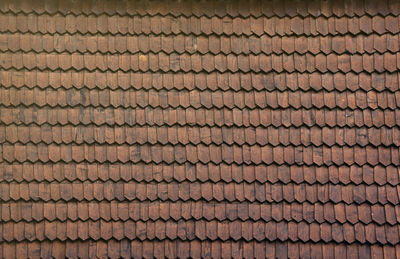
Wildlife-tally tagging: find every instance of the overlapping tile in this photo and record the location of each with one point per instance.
(275, 136)
(194, 44)
(378, 82)
(294, 212)
(196, 99)
(199, 129)
(141, 172)
(162, 62)
(194, 249)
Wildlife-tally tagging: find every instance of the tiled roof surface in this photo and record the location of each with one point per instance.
(200, 129)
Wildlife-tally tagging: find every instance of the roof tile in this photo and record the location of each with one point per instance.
(78, 92)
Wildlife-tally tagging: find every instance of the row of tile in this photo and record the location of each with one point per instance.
(193, 249)
(238, 154)
(122, 25)
(200, 117)
(173, 191)
(191, 210)
(140, 172)
(209, 8)
(202, 81)
(201, 230)
(161, 62)
(199, 99)
(305, 136)
(191, 44)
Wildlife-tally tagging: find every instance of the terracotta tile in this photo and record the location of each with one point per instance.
(391, 235)
(364, 151)
(391, 24)
(378, 24)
